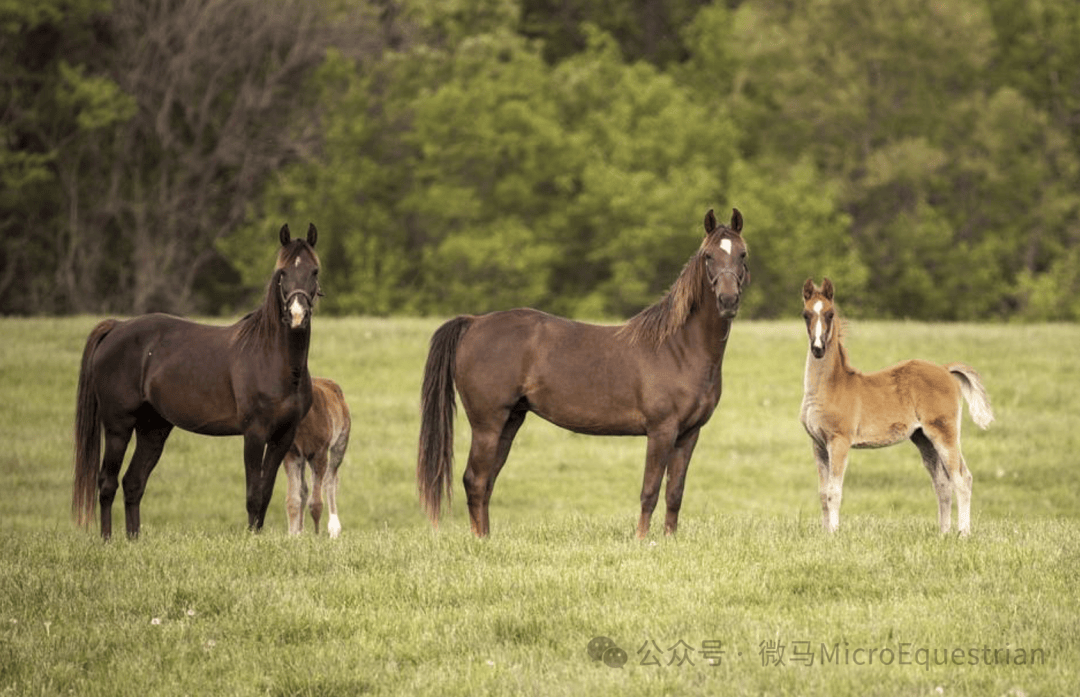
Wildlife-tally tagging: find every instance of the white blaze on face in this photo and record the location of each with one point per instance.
(726, 246)
(817, 325)
(297, 312)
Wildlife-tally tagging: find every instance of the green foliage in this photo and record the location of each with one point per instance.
(469, 155)
(795, 230)
(97, 102)
(482, 179)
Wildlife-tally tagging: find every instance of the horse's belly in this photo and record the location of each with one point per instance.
(203, 406)
(596, 421)
(882, 435)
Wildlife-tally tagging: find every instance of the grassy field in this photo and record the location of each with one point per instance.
(750, 598)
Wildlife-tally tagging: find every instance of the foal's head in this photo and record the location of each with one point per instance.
(297, 277)
(820, 315)
(724, 254)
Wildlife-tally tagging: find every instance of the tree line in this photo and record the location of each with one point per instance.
(471, 155)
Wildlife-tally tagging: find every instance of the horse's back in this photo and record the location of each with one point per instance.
(577, 375)
(179, 367)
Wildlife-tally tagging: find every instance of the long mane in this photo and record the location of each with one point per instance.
(656, 323)
(258, 326)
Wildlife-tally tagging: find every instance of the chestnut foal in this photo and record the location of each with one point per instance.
(914, 400)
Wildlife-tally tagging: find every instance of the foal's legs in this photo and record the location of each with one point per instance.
(330, 485)
(318, 474)
(940, 477)
(954, 473)
(676, 479)
(832, 463)
(962, 483)
(150, 437)
(490, 446)
(296, 492)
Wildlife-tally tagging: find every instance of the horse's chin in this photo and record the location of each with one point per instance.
(817, 352)
(726, 311)
(294, 323)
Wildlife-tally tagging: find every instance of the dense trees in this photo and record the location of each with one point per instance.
(479, 154)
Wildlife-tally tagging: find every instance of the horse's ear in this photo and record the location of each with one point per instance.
(736, 220)
(808, 289)
(827, 289)
(312, 234)
(284, 235)
(710, 221)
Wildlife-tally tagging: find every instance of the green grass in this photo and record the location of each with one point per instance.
(200, 606)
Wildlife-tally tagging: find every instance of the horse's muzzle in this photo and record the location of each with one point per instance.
(296, 311)
(728, 291)
(729, 308)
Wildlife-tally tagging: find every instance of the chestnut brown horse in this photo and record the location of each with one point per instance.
(149, 374)
(843, 409)
(320, 442)
(657, 376)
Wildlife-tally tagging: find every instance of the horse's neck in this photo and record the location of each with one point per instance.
(298, 341)
(705, 327)
(821, 371)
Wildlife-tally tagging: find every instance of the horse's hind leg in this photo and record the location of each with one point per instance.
(487, 455)
(150, 437)
(296, 491)
(938, 474)
(116, 443)
(330, 483)
(318, 479)
(962, 484)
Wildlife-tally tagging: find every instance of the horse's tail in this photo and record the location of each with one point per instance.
(435, 461)
(87, 431)
(972, 388)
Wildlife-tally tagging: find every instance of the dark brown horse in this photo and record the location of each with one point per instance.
(657, 376)
(149, 374)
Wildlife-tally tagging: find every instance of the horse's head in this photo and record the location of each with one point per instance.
(297, 274)
(820, 315)
(724, 254)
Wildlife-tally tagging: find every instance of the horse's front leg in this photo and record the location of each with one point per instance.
(276, 449)
(832, 462)
(676, 479)
(658, 453)
(254, 447)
